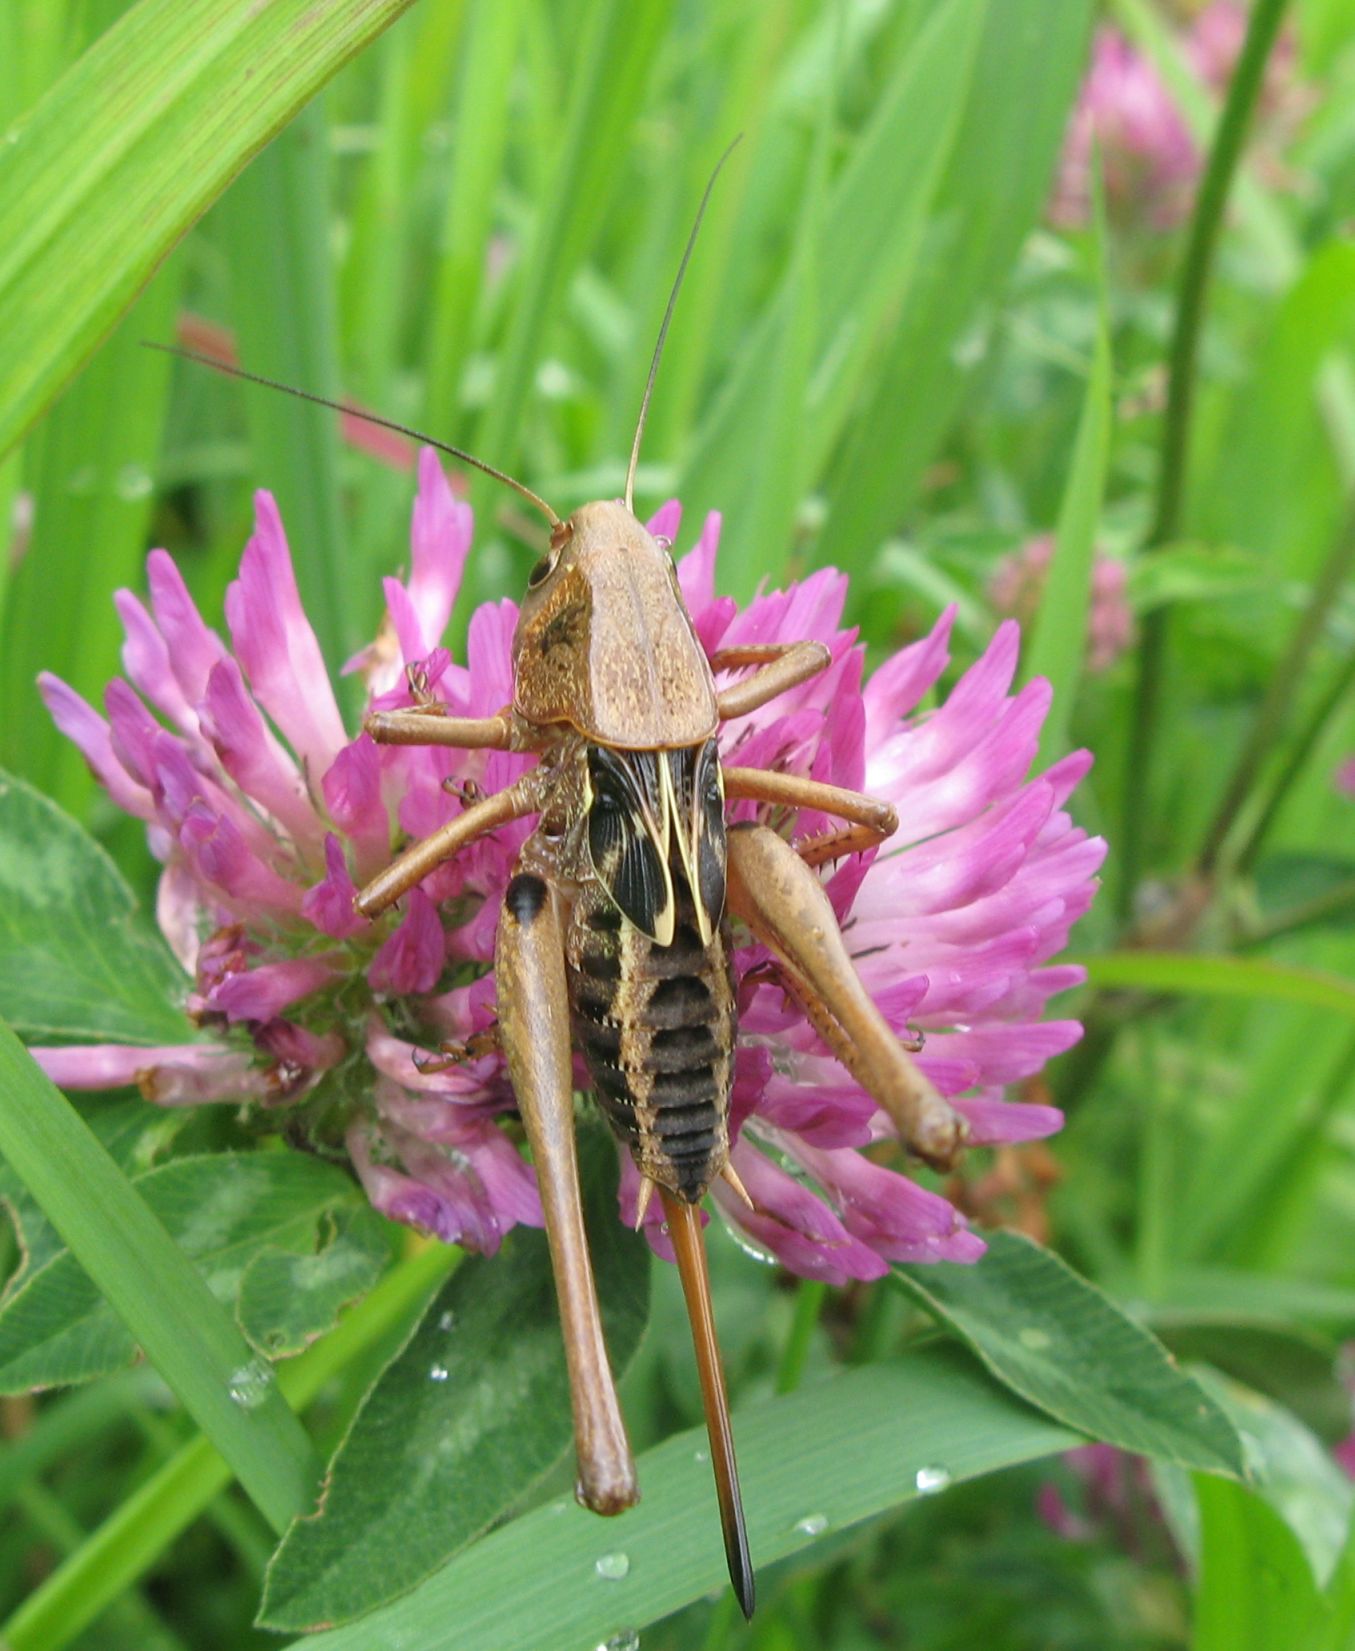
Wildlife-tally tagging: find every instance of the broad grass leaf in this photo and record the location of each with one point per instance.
(1256, 1590)
(1063, 1345)
(130, 146)
(813, 1462)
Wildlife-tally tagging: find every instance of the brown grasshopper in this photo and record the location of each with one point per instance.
(614, 935)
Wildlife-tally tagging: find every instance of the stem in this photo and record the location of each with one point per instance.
(1190, 306)
(809, 1298)
(1294, 764)
(1331, 903)
(1279, 697)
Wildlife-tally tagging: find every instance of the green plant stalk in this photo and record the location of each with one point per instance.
(1333, 902)
(1205, 226)
(141, 1528)
(1058, 647)
(130, 1615)
(65, 1427)
(810, 1294)
(1281, 691)
(1294, 764)
(1196, 974)
(154, 1288)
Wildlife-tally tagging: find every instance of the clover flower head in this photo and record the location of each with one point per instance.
(267, 817)
(1016, 589)
(1126, 115)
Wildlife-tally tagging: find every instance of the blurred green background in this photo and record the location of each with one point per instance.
(892, 355)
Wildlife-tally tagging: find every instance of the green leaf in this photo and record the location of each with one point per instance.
(447, 1440)
(1194, 974)
(223, 1210)
(1292, 1470)
(134, 1135)
(1194, 573)
(128, 149)
(153, 1287)
(1294, 1367)
(288, 1298)
(1063, 1345)
(1256, 1592)
(76, 958)
(818, 1460)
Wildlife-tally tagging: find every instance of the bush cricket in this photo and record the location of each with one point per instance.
(614, 935)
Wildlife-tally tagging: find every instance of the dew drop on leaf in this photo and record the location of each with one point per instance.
(248, 1386)
(613, 1567)
(625, 1639)
(813, 1524)
(133, 483)
(930, 1480)
(439, 1373)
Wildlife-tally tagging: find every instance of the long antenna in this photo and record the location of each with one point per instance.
(357, 412)
(667, 317)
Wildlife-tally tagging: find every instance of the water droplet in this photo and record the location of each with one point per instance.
(625, 1639)
(439, 1373)
(813, 1524)
(133, 483)
(699, 1455)
(929, 1480)
(748, 1247)
(447, 1321)
(1036, 1340)
(612, 1567)
(248, 1386)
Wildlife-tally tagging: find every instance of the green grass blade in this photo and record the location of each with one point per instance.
(91, 470)
(482, 108)
(872, 220)
(1192, 974)
(275, 221)
(154, 1289)
(1058, 648)
(840, 1451)
(143, 1526)
(993, 185)
(1256, 1591)
(128, 149)
(609, 71)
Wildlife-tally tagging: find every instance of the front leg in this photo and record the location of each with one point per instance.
(871, 820)
(529, 967)
(523, 797)
(784, 904)
(784, 665)
(429, 724)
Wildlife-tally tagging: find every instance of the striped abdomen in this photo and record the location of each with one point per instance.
(656, 1026)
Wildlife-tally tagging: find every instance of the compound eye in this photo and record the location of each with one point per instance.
(543, 569)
